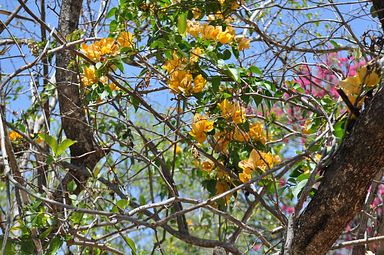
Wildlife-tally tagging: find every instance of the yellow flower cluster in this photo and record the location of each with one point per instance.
(243, 43)
(234, 4)
(200, 127)
(90, 78)
(107, 46)
(13, 136)
(257, 160)
(181, 80)
(256, 133)
(352, 85)
(232, 111)
(210, 32)
(207, 165)
(216, 33)
(222, 187)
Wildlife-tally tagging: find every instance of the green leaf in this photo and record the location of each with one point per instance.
(119, 65)
(297, 189)
(226, 54)
(115, 209)
(122, 203)
(45, 233)
(99, 65)
(373, 12)
(216, 80)
(235, 73)
(339, 129)
(72, 186)
(111, 12)
(256, 70)
(135, 102)
(63, 146)
(113, 26)
(182, 23)
(131, 244)
(142, 199)
(54, 246)
(50, 141)
(334, 43)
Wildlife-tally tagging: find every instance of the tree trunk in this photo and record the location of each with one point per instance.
(84, 152)
(345, 184)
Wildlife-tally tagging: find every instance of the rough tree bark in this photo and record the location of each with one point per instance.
(346, 181)
(345, 184)
(84, 152)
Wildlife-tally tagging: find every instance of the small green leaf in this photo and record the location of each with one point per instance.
(373, 11)
(111, 12)
(334, 43)
(226, 54)
(135, 102)
(131, 244)
(299, 187)
(63, 146)
(54, 246)
(50, 141)
(216, 80)
(235, 73)
(122, 203)
(115, 209)
(119, 65)
(182, 23)
(113, 26)
(71, 186)
(256, 70)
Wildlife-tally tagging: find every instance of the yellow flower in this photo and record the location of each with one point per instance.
(195, 54)
(113, 86)
(13, 136)
(222, 187)
(104, 79)
(256, 132)
(207, 166)
(226, 36)
(240, 135)
(103, 47)
(174, 63)
(370, 78)
(196, 13)
(193, 28)
(307, 127)
(351, 85)
(89, 76)
(181, 81)
(125, 40)
(232, 111)
(210, 32)
(91, 52)
(243, 43)
(176, 148)
(222, 140)
(258, 160)
(199, 82)
(244, 177)
(200, 127)
(107, 46)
